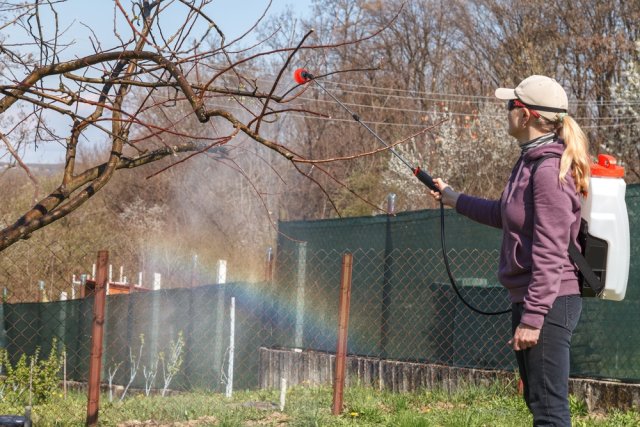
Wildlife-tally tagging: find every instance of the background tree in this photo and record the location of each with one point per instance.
(444, 60)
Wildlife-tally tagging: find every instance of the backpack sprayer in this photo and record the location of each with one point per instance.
(605, 239)
(604, 234)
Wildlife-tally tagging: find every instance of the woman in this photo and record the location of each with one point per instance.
(539, 215)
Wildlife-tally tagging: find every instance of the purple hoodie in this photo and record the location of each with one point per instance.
(537, 222)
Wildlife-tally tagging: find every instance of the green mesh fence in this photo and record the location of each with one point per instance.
(403, 306)
(142, 329)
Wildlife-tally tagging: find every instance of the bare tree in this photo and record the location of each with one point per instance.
(171, 94)
(129, 93)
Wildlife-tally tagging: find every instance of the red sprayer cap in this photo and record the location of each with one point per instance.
(607, 167)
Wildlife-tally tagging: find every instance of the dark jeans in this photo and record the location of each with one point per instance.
(544, 368)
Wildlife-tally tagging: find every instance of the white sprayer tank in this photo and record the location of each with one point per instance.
(605, 211)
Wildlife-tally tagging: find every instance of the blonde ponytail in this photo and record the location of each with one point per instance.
(576, 154)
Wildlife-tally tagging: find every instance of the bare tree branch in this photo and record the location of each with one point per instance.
(147, 98)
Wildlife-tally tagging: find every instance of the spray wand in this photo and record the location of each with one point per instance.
(302, 76)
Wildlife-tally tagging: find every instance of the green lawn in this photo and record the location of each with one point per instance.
(311, 406)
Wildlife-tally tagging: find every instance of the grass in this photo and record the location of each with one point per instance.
(497, 405)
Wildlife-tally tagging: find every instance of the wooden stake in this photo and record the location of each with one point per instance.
(343, 328)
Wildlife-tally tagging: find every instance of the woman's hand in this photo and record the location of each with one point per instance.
(524, 337)
(446, 194)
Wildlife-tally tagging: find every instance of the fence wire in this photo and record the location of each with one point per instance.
(402, 307)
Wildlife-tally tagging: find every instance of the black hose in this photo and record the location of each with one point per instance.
(450, 274)
(424, 177)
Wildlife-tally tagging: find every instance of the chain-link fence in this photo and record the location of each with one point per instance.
(402, 308)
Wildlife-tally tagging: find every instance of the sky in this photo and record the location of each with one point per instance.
(95, 18)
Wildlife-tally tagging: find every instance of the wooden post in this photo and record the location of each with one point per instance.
(343, 328)
(95, 362)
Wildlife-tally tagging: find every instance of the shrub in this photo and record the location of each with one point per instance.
(32, 380)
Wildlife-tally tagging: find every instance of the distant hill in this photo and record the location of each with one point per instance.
(38, 169)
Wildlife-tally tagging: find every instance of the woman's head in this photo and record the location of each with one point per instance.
(542, 95)
(545, 109)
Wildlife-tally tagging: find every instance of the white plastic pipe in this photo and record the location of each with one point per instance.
(283, 392)
(222, 272)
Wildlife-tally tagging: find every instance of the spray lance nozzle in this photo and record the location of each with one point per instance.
(302, 76)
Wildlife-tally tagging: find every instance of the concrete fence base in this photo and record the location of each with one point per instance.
(316, 368)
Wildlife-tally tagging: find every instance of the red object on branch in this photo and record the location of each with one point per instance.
(301, 76)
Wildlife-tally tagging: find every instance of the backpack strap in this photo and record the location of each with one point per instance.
(576, 256)
(585, 269)
(542, 159)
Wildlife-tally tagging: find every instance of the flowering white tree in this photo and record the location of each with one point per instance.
(624, 139)
(472, 152)
(399, 178)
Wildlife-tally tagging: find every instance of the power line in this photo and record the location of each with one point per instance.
(446, 97)
(472, 114)
(402, 124)
(452, 95)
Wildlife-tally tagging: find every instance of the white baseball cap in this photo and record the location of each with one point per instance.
(540, 93)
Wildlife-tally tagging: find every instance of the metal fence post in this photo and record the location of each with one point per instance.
(385, 317)
(3, 332)
(194, 270)
(156, 300)
(221, 271)
(232, 346)
(267, 311)
(188, 358)
(300, 285)
(95, 362)
(42, 291)
(343, 329)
